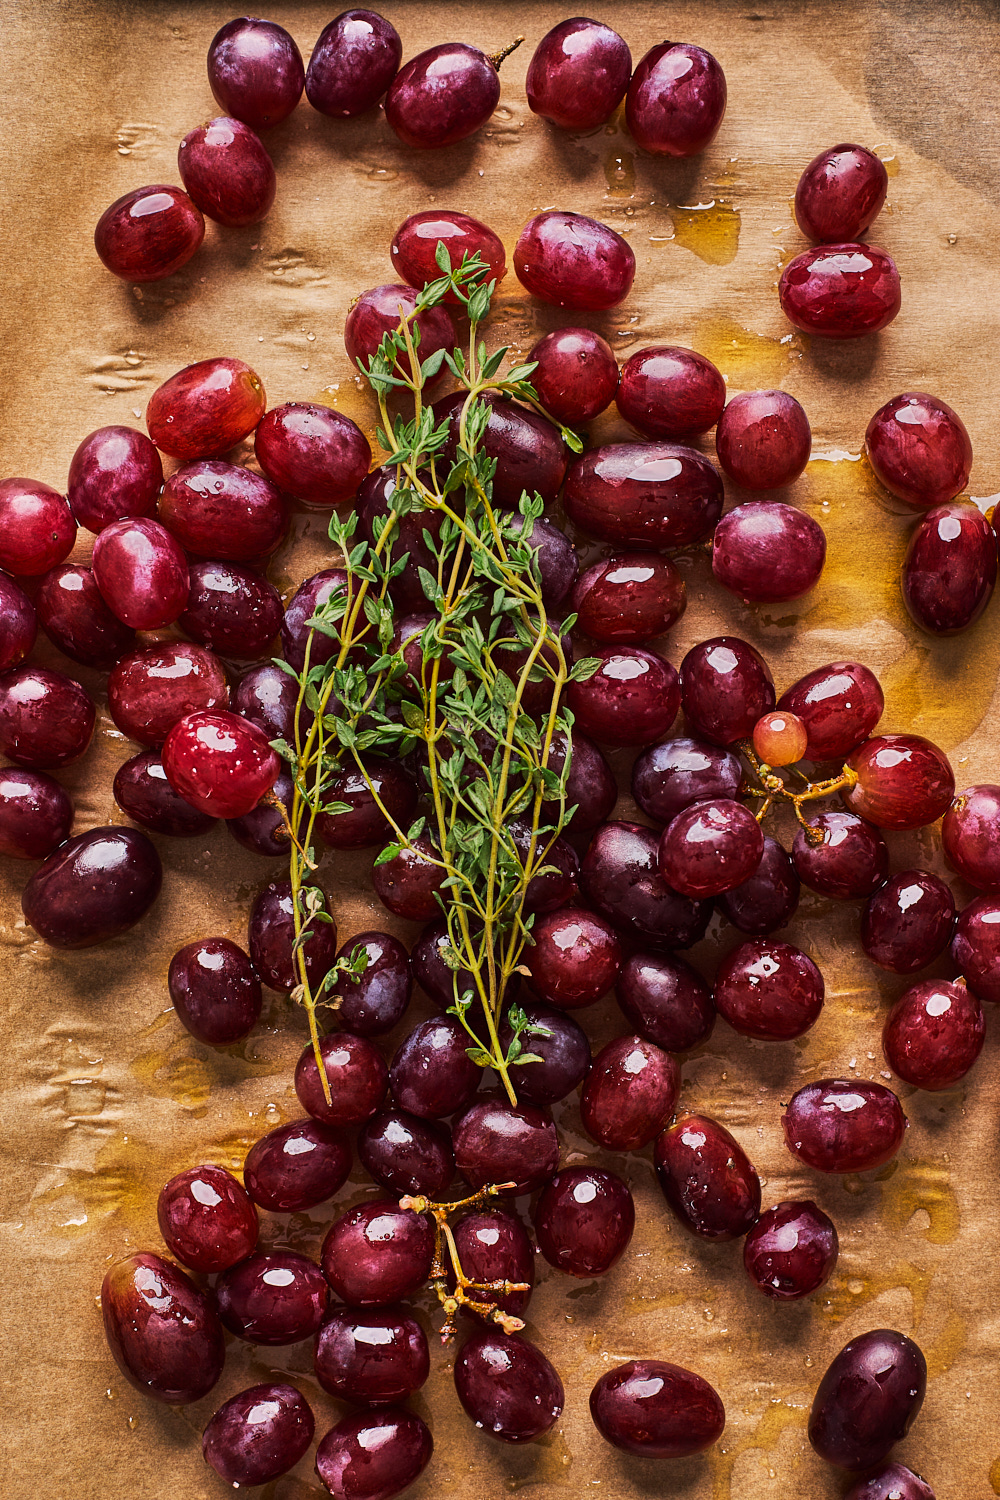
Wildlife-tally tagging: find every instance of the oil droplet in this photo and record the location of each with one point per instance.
(765, 1436)
(946, 1348)
(995, 1476)
(922, 1185)
(184, 1079)
(749, 361)
(891, 164)
(710, 230)
(844, 1293)
(619, 173)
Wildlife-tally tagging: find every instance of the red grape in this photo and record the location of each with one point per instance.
(644, 494)
(632, 698)
(766, 552)
(791, 1251)
(407, 1155)
(373, 1357)
(839, 704)
(153, 688)
(561, 1047)
(46, 719)
(629, 598)
(215, 991)
(726, 685)
(414, 246)
(666, 1001)
(840, 291)
(273, 1299)
(530, 454)
(903, 781)
(668, 777)
(296, 1166)
(312, 452)
(206, 408)
(352, 64)
(379, 311)
(970, 835)
(74, 616)
(933, 1034)
(769, 990)
(667, 392)
(37, 530)
(620, 876)
(18, 623)
(707, 1178)
(141, 572)
(255, 71)
(149, 233)
(221, 510)
(164, 1333)
(144, 794)
(768, 898)
(919, 449)
(590, 786)
(372, 1002)
(115, 472)
(630, 1094)
(780, 738)
(227, 172)
(409, 884)
(374, 1455)
(907, 923)
(844, 1125)
(365, 824)
(271, 940)
(497, 1142)
(378, 1252)
(442, 95)
(93, 887)
(206, 1219)
(220, 763)
(892, 1482)
(709, 848)
(840, 194)
(950, 569)
(495, 1247)
(656, 1410)
(507, 1386)
(296, 632)
(868, 1399)
(578, 74)
(356, 1073)
(259, 1434)
(232, 609)
(763, 439)
(850, 860)
(572, 261)
(432, 1074)
(584, 1220)
(574, 958)
(577, 374)
(676, 100)
(36, 814)
(975, 948)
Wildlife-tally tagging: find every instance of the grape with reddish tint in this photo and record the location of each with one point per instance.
(144, 794)
(36, 814)
(72, 612)
(378, 1252)
(572, 261)
(903, 781)
(374, 503)
(255, 71)
(37, 529)
(227, 172)
(378, 311)
(907, 923)
(495, 1247)
(791, 1250)
(432, 1075)
(215, 991)
(93, 887)
(232, 609)
(970, 835)
(840, 194)
(556, 558)
(18, 624)
(149, 233)
(707, 1178)
(868, 1399)
(436, 977)
(141, 572)
(375, 1000)
(666, 1001)
(574, 958)
(644, 494)
(676, 100)
(507, 1386)
(578, 74)
(840, 704)
(221, 510)
(314, 453)
(950, 569)
(630, 1093)
(151, 689)
(669, 392)
(374, 1454)
(414, 248)
(352, 64)
(497, 1142)
(769, 990)
(206, 1219)
(590, 786)
(529, 452)
(933, 1034)
(577, 374)
(844, 1125)
(766, 552)
(365, 824)
(372, 1358)
(763, 439)
(408, 884)
(584, 1220)
(656, 1410)
(296, 1166)
(309, 599)
(919, 449)
(263, 830)
(840, 855)
(709, 848)
(893, 1482)
(268, 697)
(442, 95)
(668, 777)
(46, 719)
(975, 948)
(725, 688)
(164, 1333)
(629, 598)
(632, 698)
(840, 291)
(115, 472)
(279, 1298)
(768, 898)
(206, 408)
(220, 763)
(780, 738)
(561, 1047)
(355, 1071)
(406, 1154)
(259, 1434)
(559, 858)
(620, 876)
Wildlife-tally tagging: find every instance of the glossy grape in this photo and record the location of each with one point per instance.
(352, 64)
(726, 685)
(507, 1386)
(408, 884)
(584, 1219)
(495, 1247)
(206, 408)
(259, 1434)
(296, 1166)
(378, 1252)
(273, 1299)
(496, 1142)
(574, 958)
(669, 392)
(18, 623)
(868, 1399)
(36, 814)
(373, 1358)
(263, 829)
(255, 71)
(563, 1050)
(780, 738)
(840, 194)
(970, 836)
(919, 449)
(141, 572)
(268, 697)
(414, 246)
(149, 233)
(620, 876)
(431, 1073)
(590, 786)
(676, 100)
(950, 569)
(442, 95)
(572, 261)
(933, 1034)
(840, 704)
(768, 898)
(975, 948)
(221, 510)
(555, 556)
(629, 598)
(707, 1178)
(220, 763)
(356, 1072)
(766, 552)
(666, 1001)
(840, 291)
(907, 923)
(312, 452)
(903, 781)
(630, 1093)
(374, 1454)
(577, 374)
(227, 172)
(849, 860)
(93, 887)
(378, 311)
(144, 794)
(405, 1154)
(763, 439)
(768, 990)
(215, 991)
(844, 1125)
(151, 689)
(115, 472)
(164, 1333)
(644, 494)
(709, 848)
(578, 74)
(232, 609)
(632, 698)
(37, 530)
(893, 1482)
(365, 824)
(656, 1410)
(530, 454)
(73, 614)
(309, 599)
(375, 1001)
(791, 1251)
(374, 502)
(668, 777)
(436, 977)
(46, 719)
(206, 1219)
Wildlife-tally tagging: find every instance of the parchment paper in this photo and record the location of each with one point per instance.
(106, 1095)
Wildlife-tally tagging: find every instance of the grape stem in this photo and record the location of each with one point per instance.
(496, 58)
(773, 787)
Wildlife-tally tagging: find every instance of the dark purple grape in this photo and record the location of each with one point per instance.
(436, 977)
(231, 609)
(844, 1125)
(766, 552)
(164, 1333)
(366, 824)
(495, 1247)
(707, 1178)
(144, 794)
(763, 439)
(576, 376)
(375, 1001)
(227, 172)
(578, 74)
(309, 599)
(206, 1219)
(267, 696)
(892, 1482)
(590, 786)
(414, 247)
(529, 451)
(259, 1434)
(656, 1410)
(629, 598)
(632, 698)
(839, 704)
(149, 233)
(273, 1299)
(933, 1034)
(409, 883)
(375, 501)
(352, 64)
(378, 1252)
(18, 625)
(255, 71)
(74, 616)
(970, 835)
(840, 291)
(584, 1220)
(850, 859)
(115, 472)
(357, 1075)
(46, 718)
(223, 511)
(950, 569)
(709, 848)
(215, 991)
(619, 874)
(666, 392)
(507, 1386)
(546, 892)
(312, 452)
(141, 572)
(496, 1142)
(296, 1166)
(769, 990)
(374, 1455)
(373, 1358)
(644, 494)
(432, 1074)
(666, 1001)
(725, 687)
(668, 777)
(630, 1093)
(442, 95)
(919, 449)
(406, 1154)
(574, 958)
(907, 923)
(572, 261)
(556, 558)
(791, 1250)
(149, 690)
(263, 830)
(563, 1050)
(975, 948)
(93, 888)
(903, 781)
(377, 312)
(868, 1399)
(840, 193)
(271, 936)
(36, 814)
(768, 898)
(676, 100)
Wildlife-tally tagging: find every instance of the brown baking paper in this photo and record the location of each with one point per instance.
(106, 1096)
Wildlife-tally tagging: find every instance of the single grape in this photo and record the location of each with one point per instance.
(868, 1399)
(791, 1251)
(630, 1094)
(577, 374)
(374, 1455)
(372, 1357)
(259, 1434)
(840, 291)
(365, 824)
(763, 439)
(115, 472)
(557, 856)
(707, 1178)
(632, 698)
(141, 572)
(442, 95)
(766, 552)
(574, 958)
(621, 878)
(497, 1142)
(312, 597)
(840, 704)
(903, 781)
(232, 609)
(572, 261)
(296, 1166)
(312, 452)
(584, 1219)
(73, 614)
(491, 1247)
(561, 1047)
(907, 923)
(46, 719)
(669, 392)
(221, 510)
(780, 738)
(36, 814)
(164, 1333)
(227, 172)
(255, 71)
(37, 529)
(144, 794)
(378, 312)
(950, 569)
(414, 247)
(268, 697)
(590, 786)
(970, 835)
(378, 1252)
(666, 1001)
(892, 1482)
(220, 763)
(352, 64)
(555, 556)
(355, 1071)
(264, 829)
(18, 622)
(840, 194)
(215, 991)
(656, 1410)
(405, 1154)
(507, 1386)
(408, 884)
(850, 859)
(726, 686)
(933, 1034)
(154, 687)
(432, 1074)
(93, 887)
(529, 451)
(771, 991)
(844, 1125)
(709, 848)
(676, 100)
(206, 408)
(644, 494)
(975, 948)
(374, 503)
(206, 1219)
(149, 233)
(768, 898)
(578, 74)
(919, 449)
(629, 598)
(374, 1001)
(668, 777)
(273, 1299)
